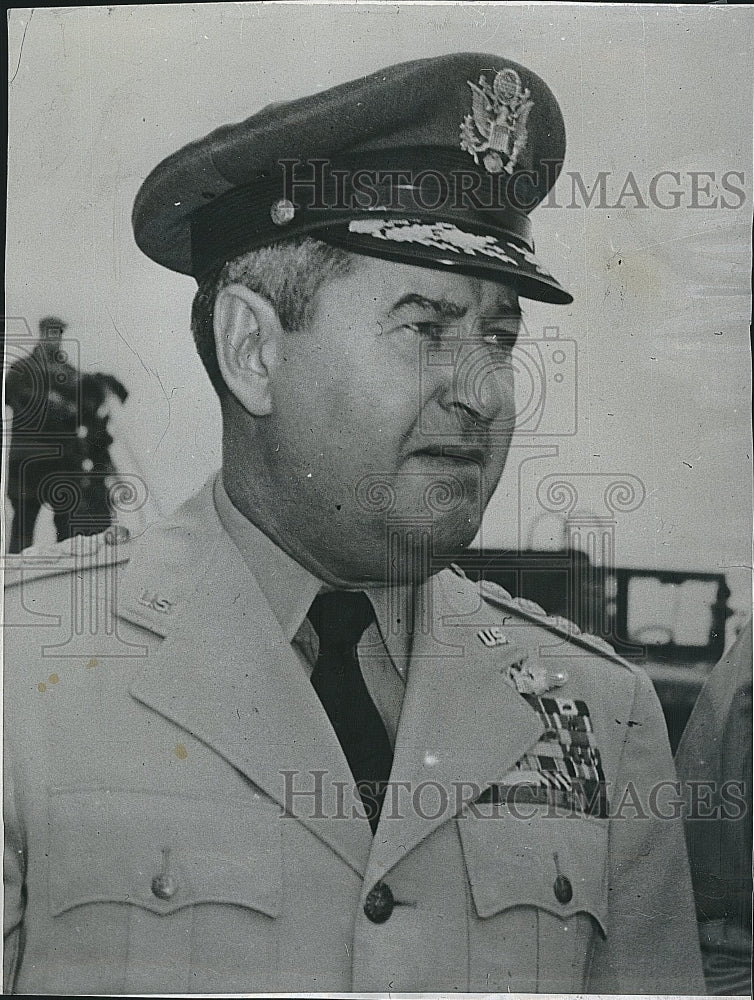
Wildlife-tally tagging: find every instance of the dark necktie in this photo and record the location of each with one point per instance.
(339, 618)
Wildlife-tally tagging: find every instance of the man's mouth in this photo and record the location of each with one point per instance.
(455, 453)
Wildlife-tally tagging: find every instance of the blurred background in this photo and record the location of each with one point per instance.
(633, 466)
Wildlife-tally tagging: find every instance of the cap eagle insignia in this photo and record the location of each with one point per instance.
(496, 126)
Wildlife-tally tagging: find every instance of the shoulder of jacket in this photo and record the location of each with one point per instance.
(71, 555)
(530, 611)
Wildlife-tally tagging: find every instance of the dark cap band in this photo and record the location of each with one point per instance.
(305, 198)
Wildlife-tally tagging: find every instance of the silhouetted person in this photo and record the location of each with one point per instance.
(59, 450)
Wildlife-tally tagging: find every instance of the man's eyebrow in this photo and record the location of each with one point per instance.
(441, 307)
(505, 306)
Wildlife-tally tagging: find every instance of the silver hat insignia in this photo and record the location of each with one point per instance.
(496, 126)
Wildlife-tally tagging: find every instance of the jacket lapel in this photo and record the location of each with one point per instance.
(463, 725)
(226, 674)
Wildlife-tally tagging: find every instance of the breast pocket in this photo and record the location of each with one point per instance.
(152, 893)
(539, 894)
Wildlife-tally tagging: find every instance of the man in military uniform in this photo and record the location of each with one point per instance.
(42, 391)
(59, 451)
(287, 748)
(715, 757)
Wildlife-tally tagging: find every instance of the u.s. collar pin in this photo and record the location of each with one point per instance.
(534, 678)
(493, 636)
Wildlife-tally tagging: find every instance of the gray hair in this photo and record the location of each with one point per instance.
(288, 275)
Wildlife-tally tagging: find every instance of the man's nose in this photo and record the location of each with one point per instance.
(479, 390)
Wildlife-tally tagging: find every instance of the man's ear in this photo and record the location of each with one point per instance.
(247, 333)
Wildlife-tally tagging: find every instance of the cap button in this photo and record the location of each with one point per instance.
(379, 903)
(282, 212)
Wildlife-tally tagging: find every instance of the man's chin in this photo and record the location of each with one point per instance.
(449, 540)
(417, 552)
(412, 553)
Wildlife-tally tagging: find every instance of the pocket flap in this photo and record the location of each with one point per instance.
(553, 864)
(198, 850)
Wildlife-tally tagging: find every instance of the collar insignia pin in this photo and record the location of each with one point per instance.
(534, 678)
(155, 602)
(493, 636)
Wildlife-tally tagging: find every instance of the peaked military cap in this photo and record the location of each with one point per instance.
(436, 162)
(52, 322)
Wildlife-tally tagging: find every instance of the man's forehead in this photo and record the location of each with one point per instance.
(395, 285)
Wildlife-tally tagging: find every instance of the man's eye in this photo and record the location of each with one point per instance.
(428, 330)
(505, 340)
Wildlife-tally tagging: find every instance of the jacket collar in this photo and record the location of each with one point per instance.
(288, 588)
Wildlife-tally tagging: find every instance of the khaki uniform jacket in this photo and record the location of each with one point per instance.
(163, 748)
(716, 752)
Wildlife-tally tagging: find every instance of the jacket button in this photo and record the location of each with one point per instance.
(563, 889)
(164, 886)
(379, 903)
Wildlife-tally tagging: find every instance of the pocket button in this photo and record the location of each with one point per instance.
(563, 889)
(164, 886)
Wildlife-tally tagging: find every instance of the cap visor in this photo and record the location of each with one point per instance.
(446, 246)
